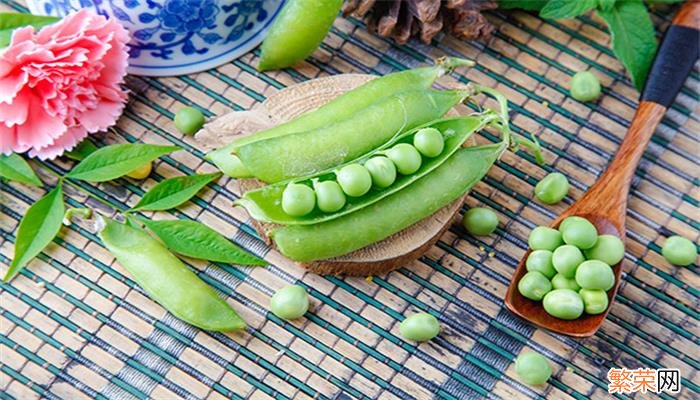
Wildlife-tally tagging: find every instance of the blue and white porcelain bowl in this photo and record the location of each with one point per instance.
(176, 37)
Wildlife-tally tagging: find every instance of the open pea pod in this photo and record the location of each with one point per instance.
(265, 204)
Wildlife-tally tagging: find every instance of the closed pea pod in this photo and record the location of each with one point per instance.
(167, 280)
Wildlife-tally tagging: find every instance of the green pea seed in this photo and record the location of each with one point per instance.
(563, 304)
(584, 86)
(541, 261)
(594, 301)
(480, 221)
(566, 258)
(595, 274)
(406, 158)
(290, 302)
(679, 251)
(579, 232)
(559, 281)
(552, 188)
(534, 285)
(382, 170)
(298, 199)
(188, 120)
(608, 249)
(329, 196)
(420, 327)
(544, 238)
(354, 179)
(532, 368)
(429, 142)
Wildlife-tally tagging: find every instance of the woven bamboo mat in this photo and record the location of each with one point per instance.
(74, 325)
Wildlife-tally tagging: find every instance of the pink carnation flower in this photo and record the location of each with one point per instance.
(61, 83)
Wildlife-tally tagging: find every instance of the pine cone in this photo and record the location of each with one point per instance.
(399, 19)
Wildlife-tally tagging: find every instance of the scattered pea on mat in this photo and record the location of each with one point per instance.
(480, 221)
(420, 327)
(141, 172)
(290, 302)
(584, 86)
(552, 188)
(532, 368)
(188, 120)
(679, 251)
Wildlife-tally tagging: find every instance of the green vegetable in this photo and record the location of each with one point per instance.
(555, 9)
(81, 150)
(382, 170)
(566, 259)
(608, 249)
(679, 251)
(113, 161)
(584, 86)
(329, 196)
(297, 31)
(579, 232)
(298, 199)
(563, 304)
(544, 238)
(420, 327)
(552, 188)
(354, 179)
(15, 168)
(532, 368)
(534, 285)
(595, 274)
(541, 261)
(480, 221)
(167, 280)
(172, 192)
(11, 21)
(406, 158)
(594, 301)
(290, 302)
(39, 225)
(188, 120)
(559, 281)
(429, 142)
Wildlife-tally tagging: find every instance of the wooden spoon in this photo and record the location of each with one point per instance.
(605, 203)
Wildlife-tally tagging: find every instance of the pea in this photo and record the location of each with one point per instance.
(552, 188)
(298, 199)
(563, 304)
(141, 172)
(566, 258)
(354, 179)
(544, 238)
(595, 274)
(559, 281)
(290, 302)
(420, 327)
(534, 285)
(579, 232)
(329, 196)
(541, 261)
(406, 158)
(480, 221)
(429, 142)
(679, 251)
(584, 86)
(532, 368)
(382, 170)
(188, 120)
(594, 301)
(608, 249)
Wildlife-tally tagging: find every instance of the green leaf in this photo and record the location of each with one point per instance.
(37, 229)
(15, 168)
(11, 21)
(82, 150)
(172, 192)
(196, 240)
(606, 5)
(524, 4)
(633, 39)
(556, 9)
(113, 161)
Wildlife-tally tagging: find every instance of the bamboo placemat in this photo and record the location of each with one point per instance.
(74, 325)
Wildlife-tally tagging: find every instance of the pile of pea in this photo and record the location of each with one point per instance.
(355, 180)
(570, 269)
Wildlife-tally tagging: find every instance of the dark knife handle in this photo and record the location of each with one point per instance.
(679, 51)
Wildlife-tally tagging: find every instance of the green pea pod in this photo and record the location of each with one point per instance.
(167, 280)
(340, 108)
(306, 153)
(265, 204)
(458, 174)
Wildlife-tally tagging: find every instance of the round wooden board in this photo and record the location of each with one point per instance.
(375, 259)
